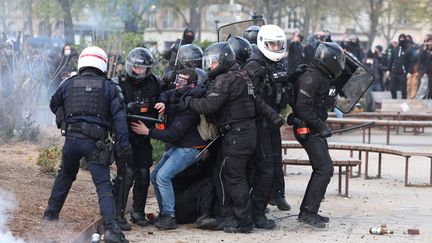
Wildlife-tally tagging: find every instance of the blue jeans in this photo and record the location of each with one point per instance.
(173, 162)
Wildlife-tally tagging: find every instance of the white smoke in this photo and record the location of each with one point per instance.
(7, 205)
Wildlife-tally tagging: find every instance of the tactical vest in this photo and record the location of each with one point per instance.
(241, 102)
(87, 97)
(274, 89)
(140, 99)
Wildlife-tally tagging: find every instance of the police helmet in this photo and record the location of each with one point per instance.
(272, 42)
(202, 76)
(190, 56)
(94, 57)
(251, 34)
(331, 56)
(139, 63)
(221, 53)
(241, 47)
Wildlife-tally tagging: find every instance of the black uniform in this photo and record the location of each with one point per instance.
(233, 106)
(140, 99)
(90, 102)
(312, 102)
(401, 63)
(296, 55)
(268, 175)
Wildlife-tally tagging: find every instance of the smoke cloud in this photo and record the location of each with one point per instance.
(7, 206)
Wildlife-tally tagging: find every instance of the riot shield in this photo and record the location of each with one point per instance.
(237, 28)
(352, 84)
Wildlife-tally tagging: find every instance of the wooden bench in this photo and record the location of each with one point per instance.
(384, 123)
(348, 163)
(368, 148)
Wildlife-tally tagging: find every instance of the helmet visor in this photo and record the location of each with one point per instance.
(208, 60)
(277, 46)
(137, 71)
(191, 63)
(341, 61)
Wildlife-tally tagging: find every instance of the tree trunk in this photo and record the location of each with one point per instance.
(67, 21)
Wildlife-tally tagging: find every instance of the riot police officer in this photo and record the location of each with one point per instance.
(232, 103)
(172, 54)
(270, 80)
(251, 34)
(311, 105)
(141, 90)
(85, 106)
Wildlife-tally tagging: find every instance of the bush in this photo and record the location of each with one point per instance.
(30, 131)
(49, 159)
(158, 149)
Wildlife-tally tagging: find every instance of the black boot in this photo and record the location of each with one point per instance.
(166, 222)
(113, 234)
(123, 223)
(322, 218)
(206, 222)
(281, 203)
(50, 215)
(261, 222)
(312, 219)
(232, 226)
(139, 218)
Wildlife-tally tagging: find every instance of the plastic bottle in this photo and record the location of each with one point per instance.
(377, 230)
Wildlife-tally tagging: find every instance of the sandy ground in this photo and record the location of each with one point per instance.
(372, 202)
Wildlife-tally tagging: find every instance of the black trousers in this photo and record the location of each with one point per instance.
(398, 82)
(136, 173)
(268, 178)
(322, 166)
(238, 146)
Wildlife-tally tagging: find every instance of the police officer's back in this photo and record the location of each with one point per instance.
(86, 106)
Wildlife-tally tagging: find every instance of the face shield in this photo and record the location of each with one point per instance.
(209, 61)
(190, 63)
(277, 46)
(341, 60)
(137, 71)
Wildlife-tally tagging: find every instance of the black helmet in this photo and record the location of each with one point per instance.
(242, 48)
(139, 63)
(331, 56)
(251, 34)
(220, 52)
(202, 76)
(190, 56)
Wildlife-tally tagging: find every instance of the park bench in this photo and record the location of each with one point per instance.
(347, 162)
(368, 148)
(376, 123)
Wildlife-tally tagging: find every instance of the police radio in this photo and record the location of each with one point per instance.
(138, 107)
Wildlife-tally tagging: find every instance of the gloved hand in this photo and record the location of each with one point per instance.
(278, 121)
(124, 155)
(183, 104)
(325, 131)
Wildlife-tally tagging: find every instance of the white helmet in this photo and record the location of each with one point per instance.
(93, 56)
(271, 41)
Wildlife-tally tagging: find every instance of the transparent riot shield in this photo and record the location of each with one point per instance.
(352, 86)
(237, 28)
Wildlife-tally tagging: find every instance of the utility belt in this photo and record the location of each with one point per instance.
(237, 126)
(86, 130)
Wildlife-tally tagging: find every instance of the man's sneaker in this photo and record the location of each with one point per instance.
(139, 218)
(50, 215)
(166, 222)
(261, 222)
(206, 222)
(123, 223)
(312, 219)
(281, 203)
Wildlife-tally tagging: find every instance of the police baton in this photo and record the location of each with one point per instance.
(367, 124)
(145, 118)
(204, 151)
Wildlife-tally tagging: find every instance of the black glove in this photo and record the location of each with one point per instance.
(183, 104)
(278, 121)
(124, 155)
(325, 131)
